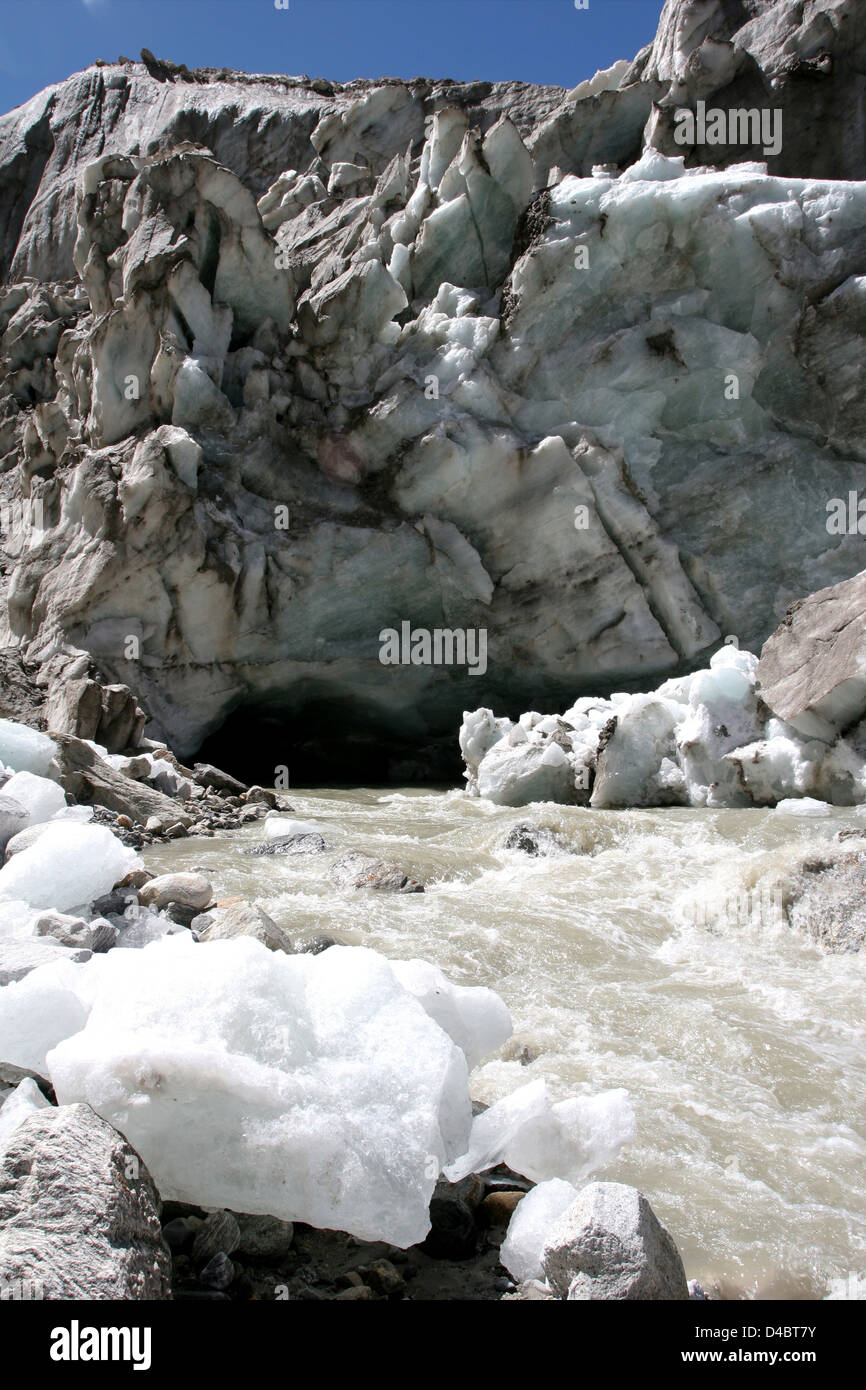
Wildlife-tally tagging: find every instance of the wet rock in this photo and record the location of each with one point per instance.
(311, 843)
(264, 1239)
(78, 1211)
(259, 796)
(317, 945)
(531, 839)
(218, 1234)
(218, 1273)
(453, 1233)
(825, 897)
(190, 890)
(242, 919)
(498, 1208)
(180, 1233)
(609, 1244)
(13, 820)
(103, 936)
(216, 780)
(361, 871)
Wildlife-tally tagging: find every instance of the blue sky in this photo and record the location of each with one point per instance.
(42, 41)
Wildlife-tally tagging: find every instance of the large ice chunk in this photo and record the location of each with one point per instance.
(312, 1088)
(68, 866)
(46, 1006)
(38, 796)
(569, 1139)
(474, 1018)
(25, 750)
(531, 1224)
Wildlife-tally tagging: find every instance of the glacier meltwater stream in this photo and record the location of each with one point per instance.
(646, 952)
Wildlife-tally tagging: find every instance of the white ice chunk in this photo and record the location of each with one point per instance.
(285, 827)
(803, 806)
(38, 795)
(569, 1139)
(16, 920)
(531, 1225)
(69, 864)
(25, 1100)
(474, 1018)
(46, 1006)
(25, 750)
(312, 1088)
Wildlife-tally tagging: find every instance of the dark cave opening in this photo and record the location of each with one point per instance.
(327, 744)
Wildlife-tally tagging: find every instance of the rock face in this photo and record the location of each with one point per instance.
(268, 343)
(610, 1245)
(78, 1211)
(812, 671)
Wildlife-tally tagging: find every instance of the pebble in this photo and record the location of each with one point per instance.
(218, 1273)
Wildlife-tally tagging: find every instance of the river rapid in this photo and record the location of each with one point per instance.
(646, 952)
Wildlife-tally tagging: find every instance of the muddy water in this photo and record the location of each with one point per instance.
(648, 954)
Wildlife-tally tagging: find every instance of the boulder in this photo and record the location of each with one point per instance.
(812, 671)
(610, 1245)
(213, 777)
(78, 1211)
(13, 819)
(89, 778)
(190, 890)
(242, 919)
(361, 871)
(825, 897)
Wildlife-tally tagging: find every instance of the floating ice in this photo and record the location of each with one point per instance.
(285, 827)
(69, 865)
(312, 1088)
(25, 750)
(569, 1139)
(803, 806)
(530, 1226)
(39, 796)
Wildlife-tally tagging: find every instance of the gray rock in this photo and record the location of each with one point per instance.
(103, 935)
(18, 958)
(812, 671)
(361, 871)
(311, 843)
(609, 1244)
(24, 839)
(217, 780)
(218, 1234)
(89, 778)
(191, 890)
(825, 897)
(264, 1239)
(78, 1211)
(13, 820)
(532, 840)
(180, 1233)
(243, 919)
(68, 931)
(218, 1273)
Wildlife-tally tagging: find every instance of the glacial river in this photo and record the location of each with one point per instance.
(648, 954)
